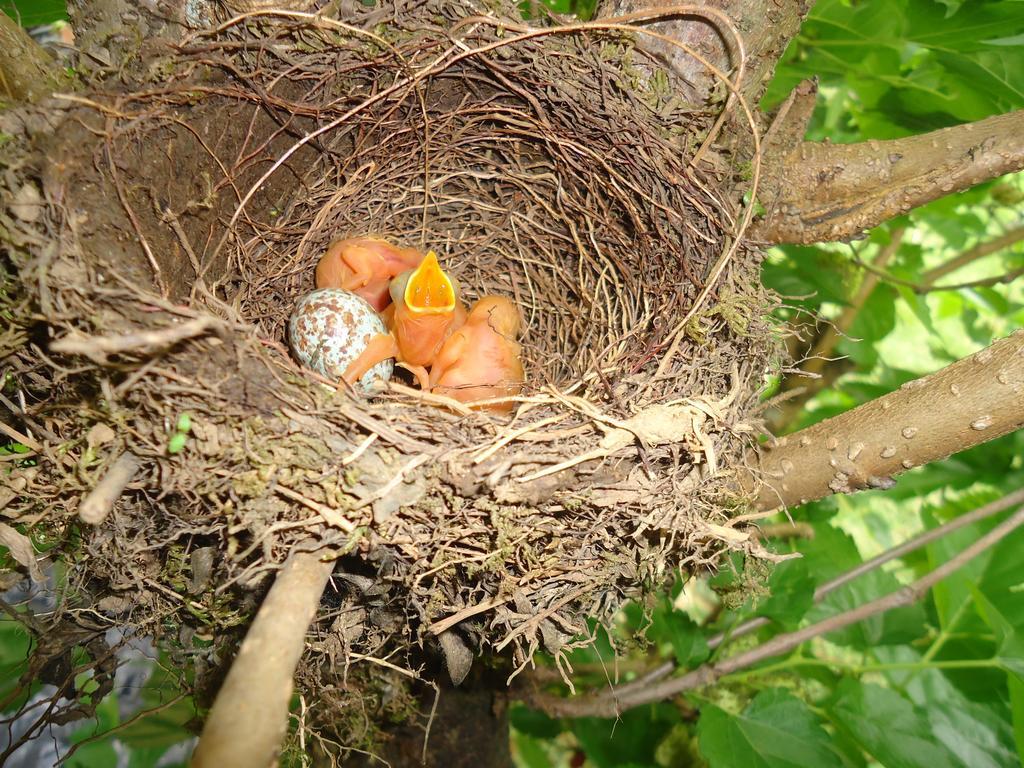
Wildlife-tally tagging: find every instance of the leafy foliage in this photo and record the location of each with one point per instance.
(939, 683)
(30, 13)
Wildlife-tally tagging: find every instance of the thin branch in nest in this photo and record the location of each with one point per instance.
(330, 516)
(97, 505)
(678, 333)
(97, 348)
(249, 718)
(471, 610)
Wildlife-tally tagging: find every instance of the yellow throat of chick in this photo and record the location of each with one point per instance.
(429, 289)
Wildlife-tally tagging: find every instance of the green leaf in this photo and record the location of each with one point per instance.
(529, 752)
(792, 593)
(534, 723)
(808, 275)
(1017, 708)
(176, 443)
(160, 729)
(830, 552)
(633, 738)
(899, 625)
(887, 726)
(777, 730)
(874, 321)
(976, 732)
(688, 642)
(32, 13)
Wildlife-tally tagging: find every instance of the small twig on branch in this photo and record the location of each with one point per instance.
(972, 401)
(249, 718)
(97, 505)
(921, 288)
(708, 674)
(822, 192)
(97, 348)
(979, 251)
(987, 282)
(826, 344)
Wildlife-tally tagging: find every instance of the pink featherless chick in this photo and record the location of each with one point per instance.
(481, 360)
(365, 266)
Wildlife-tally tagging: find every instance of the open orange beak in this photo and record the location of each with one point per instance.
(429, 290)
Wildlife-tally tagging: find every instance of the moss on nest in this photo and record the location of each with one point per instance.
(546, 167)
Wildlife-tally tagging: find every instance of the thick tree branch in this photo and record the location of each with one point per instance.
(767, 27)
(249, 718)
(822, 192)
(979, 251)
(967, 403)
(27, 72)
(708, 674)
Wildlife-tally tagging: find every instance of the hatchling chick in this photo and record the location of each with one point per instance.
(365, 266)
(481, 360)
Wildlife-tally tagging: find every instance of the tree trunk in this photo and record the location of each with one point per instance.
(766, 27)
(27, 72)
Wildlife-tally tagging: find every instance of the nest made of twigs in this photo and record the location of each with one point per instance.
(552, 165)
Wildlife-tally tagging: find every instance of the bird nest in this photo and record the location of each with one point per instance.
(172, 227)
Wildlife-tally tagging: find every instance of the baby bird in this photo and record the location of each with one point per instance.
(426, 310)
(365, 266)
(481, 359)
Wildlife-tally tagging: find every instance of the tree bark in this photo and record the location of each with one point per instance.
(249, 718)
(967, 403)
(766, 26)
(821, 192)
(27, 72)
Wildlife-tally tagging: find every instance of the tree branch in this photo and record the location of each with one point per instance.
(249, 718)
(967, 403)
(767, 27)
(27, 71)
(826, 589)
(818, 373)
(979, 251)
(97, 505)
(821, 192)
(920, 288)
(708, 674)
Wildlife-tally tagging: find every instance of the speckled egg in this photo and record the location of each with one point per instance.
(329, 328)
